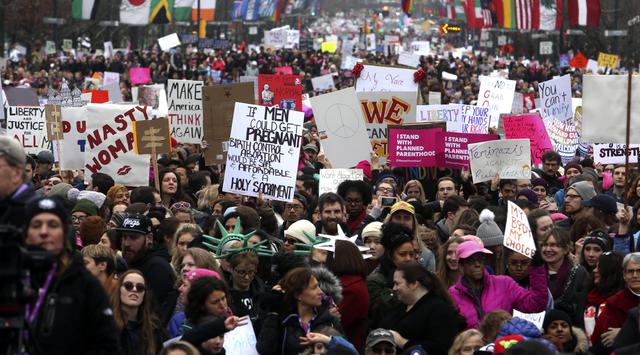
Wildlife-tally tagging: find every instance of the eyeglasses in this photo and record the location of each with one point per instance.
(245, 273)
(520, 263)
(181, 206)
(292, 207)
(290, 241)
(78, 219)
(130, 286)
(571, 197)
(632, 272)
(383, 350)
(384, 189)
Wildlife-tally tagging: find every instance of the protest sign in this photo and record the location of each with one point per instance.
(592, 66)
(293, 39)
(322, 83)
(604, 108)
(169, 41)
(611, 61)
(74, 138)
(509, 158)
(438, 113)
(263, 152)
(254, 80)
(546, 48)
(348, 62)
(185, 110)
(27, 125)
(331, 178)
(284, 91)
(518, 104)
(109, 78)
(241, 341)
(91, 84)
(435, 98)
(21, 96)
(383, 108)
(565, 137)
(341, 124)
(449, 76)
(155, 96)
(152, 136)
(377, 78)
(409, 59)
(276, 37)
(421, 47)
(472, 119)
(535, 318)
(113, 90)
(452, 148)
(615, 153)
(139, 76)
(528, 126)
(517, 233)
(53, 119)
(108, 49)
(412, 147)
(218, 103)
(329, 47)
(555, 97)
(283, 70)
(109, 148)
(67, 45)
(496, 94)
(370, 41)
(50, 48)
(578, 61)
(97, 96)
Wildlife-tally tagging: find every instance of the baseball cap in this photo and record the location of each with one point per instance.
(311, 146)
(603, 202)
(378, 336)
(468, 248)
(135, 223)
(45, 156)
(402, 206)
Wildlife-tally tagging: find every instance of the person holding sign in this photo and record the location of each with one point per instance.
(477, 292)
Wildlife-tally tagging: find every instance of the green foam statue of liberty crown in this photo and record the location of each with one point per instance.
(218, 245)
(309, 246)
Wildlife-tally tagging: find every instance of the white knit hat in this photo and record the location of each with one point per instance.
(298, 229)
(373, 229)
(96, 197)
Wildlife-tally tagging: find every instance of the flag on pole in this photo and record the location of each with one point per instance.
(84, 9)
(182, 10)
(161, 11)
(550, 15)
(207, 10)
(524, 14)
(505, 13)
(584, 13)
(474, 14)
(134, 12)
(407, 7)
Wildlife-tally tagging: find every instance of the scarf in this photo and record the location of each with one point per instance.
(562, 277)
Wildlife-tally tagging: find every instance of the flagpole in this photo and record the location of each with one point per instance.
(627, 171)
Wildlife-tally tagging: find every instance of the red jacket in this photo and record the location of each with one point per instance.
(354, 309)
(615, 312)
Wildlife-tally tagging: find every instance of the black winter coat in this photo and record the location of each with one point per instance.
(76, 317)
(160, 278)
(431, 323)
(132, 340)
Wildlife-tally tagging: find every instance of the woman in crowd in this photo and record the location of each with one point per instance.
(466, 343)
(448, 268)
(294, 313)
(198, 258)
(85, 323)
(593, 245)
(245, 287)
(413, 190)
(170, 190)
(371, 235)
(185, 234)
(175, 326)
(567, 280)
(427, 304)
(118, 193)
(347, 264)
(540, 222)
(606, 280)
(139, 326)
(518, 269)
(633, 195)
(545, 202)
(559, 331)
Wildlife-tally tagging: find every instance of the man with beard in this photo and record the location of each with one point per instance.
(576, 193)
(551, 162)
(331, 207)
(138, 251)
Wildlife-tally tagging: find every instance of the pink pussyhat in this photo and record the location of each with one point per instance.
(198, 273)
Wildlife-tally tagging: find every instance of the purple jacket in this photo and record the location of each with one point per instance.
(502, 292)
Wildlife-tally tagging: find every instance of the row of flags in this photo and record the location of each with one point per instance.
(143, 12)
(543, 15)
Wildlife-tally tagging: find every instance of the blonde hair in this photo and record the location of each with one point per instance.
(207, 196)
(458, 342)
(422, 197)
(111, 194)
(101, 253)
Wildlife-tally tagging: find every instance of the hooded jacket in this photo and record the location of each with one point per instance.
(328, 283)
(501, 292)
(159, 276)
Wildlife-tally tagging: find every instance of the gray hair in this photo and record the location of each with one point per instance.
(630, 258)
(12, 152)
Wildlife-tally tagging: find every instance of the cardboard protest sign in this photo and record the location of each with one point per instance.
(383, 108)
(409, 59)
(376, 78)
(322, 83)
(509, 158)
(517, 233)
(169, 41)
(53, 117)
(421, 47)
(276, 37)
(184, 101)
(74, 138)
(615, 153)
(109, 78)
(139, 76)
(109, 148)
(67, 45)
(555, 97)
(152, 136)
(435, 98)
(453, 148)
(50, 48)
(604, 108)
(472, 119)
(284, 91)
(293, 39)
(27, 125)
(263, 153)
(518, 104)
(412, 147)
(241, 340)
(341, 124)
(611, 61)
(528, 126)
(496, 94)
(331, 178)
(218, 103)
(438, 113)
(546, 47)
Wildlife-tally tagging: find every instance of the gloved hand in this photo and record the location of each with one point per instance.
(536, 260)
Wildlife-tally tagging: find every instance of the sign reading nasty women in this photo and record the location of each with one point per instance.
(185, 110)
(263, 152)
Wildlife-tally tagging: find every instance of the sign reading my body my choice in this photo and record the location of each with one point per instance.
(263, 152)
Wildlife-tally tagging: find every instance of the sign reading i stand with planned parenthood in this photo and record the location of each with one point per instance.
(263, 151)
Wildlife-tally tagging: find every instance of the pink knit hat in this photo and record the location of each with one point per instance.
(198, 273)
(607, 181)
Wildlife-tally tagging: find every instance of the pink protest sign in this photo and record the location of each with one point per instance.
(140, 76)
(284, 70)
(452, 148)
(528, 126)
(412, 147)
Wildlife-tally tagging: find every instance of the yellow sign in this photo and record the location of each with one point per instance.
(611, 61)
(329, 47)
(446, 28)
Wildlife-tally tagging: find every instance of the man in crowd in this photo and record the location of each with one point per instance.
(15, 191)
(573, 199)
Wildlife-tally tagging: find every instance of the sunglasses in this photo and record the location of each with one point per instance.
(130, 286)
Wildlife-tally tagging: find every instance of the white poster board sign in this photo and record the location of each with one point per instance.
(472, 119)
(331, 178)
(509, 158)
(184, 101)
(409, 59)
(438, 113)
(263, 152)
(109, 147)
(614, 153)
(27, 125)
(109, 78)
(377, 78)
(322, 83)
(535, 318)
(340, 124)
(497, 94)
(169, 41)
(421, 47)
(74, 137)
(517, 232)
(293, 39)
(241, 341)
(435, 97)
(546, 48)
(555, 98)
